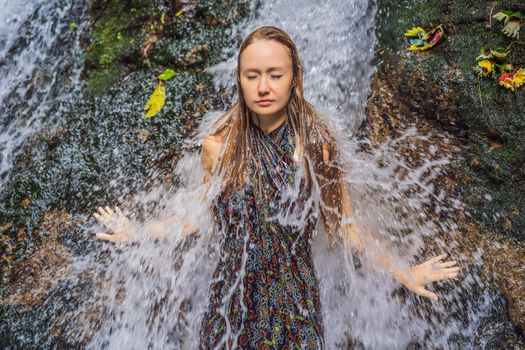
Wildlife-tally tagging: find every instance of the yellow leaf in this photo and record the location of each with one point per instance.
(156, 101)
(414, 31)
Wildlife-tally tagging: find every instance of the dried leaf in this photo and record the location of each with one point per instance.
(499, 53)
(512, 28)
(156, 101)
(492, 144)
(502, 16)
(484, 56)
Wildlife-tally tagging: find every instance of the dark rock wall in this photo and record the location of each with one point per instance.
(101, 152)
(437, 89)
(440, 84)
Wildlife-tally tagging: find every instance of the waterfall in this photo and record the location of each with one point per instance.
(41, 61)
(153, 294)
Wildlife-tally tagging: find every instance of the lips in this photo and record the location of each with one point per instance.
(264, 102)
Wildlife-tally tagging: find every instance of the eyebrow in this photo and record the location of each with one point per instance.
(271, 69)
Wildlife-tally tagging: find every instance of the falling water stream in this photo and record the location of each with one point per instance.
(40, 69)
(152, 294)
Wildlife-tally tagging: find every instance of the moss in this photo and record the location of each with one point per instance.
(115, 38)
(121, 29)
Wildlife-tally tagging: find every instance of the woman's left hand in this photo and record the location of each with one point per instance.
(416, 277)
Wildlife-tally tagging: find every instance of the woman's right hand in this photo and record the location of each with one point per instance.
(116, 222)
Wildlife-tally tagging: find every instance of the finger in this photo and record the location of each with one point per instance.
(105, 237)
(443, 276)
(118, 211)
(426, 293)
(109, 210)
(103, 212)
(452, 269)
(101, 219)
(448, 263)
(438, 258)
(452, 275)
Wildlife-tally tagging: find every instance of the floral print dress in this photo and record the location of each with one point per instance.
(264, 293)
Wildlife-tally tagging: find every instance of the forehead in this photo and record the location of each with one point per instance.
(264, 54)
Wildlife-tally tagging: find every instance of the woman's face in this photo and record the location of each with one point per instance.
(266, 76)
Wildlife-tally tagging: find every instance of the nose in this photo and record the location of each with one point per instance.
(263, 88)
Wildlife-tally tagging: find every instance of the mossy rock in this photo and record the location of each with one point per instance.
(441, 85)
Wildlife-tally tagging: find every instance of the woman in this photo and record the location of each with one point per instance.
(280, 169)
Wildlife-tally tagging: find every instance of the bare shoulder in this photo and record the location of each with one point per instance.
(212, 143)
(211, 148)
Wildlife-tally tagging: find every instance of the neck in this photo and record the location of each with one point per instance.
(268, 123)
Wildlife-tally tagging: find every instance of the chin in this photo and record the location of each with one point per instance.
(261, 111)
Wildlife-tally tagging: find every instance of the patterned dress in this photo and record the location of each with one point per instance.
(265, 294)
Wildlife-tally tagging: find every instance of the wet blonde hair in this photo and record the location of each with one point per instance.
(312, 136)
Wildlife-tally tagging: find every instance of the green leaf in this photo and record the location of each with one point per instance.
(517, 15)
(156, 101)
(167, 74)
(72, 26)
(179, 13)
(501, 68)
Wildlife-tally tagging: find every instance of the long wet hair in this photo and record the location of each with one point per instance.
(311, 133)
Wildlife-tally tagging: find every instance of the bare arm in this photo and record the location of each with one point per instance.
(124, 230)
(361, 238)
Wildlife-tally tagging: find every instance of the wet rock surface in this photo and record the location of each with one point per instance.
(491, 263)
(437, 91)
(439, 84)
(101, 152)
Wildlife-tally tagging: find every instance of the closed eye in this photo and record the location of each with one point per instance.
(251, 77)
